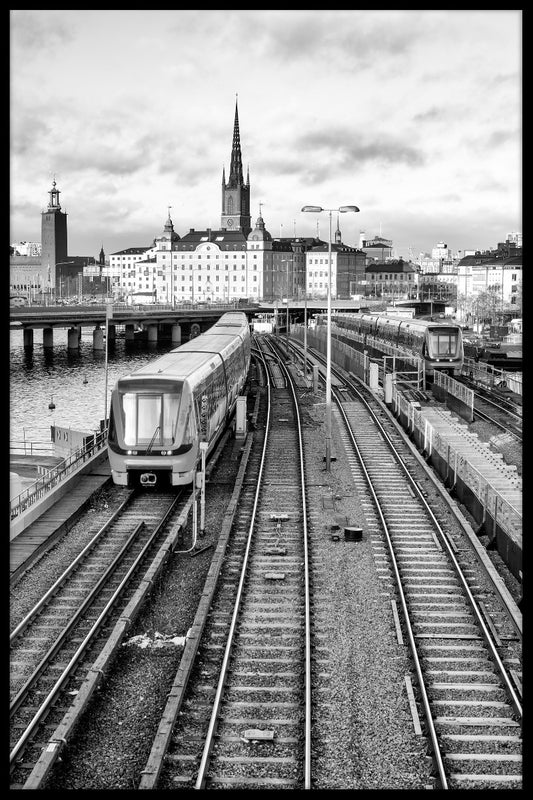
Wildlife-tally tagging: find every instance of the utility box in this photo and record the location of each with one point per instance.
(388, 388)
(374, 377)
(240, 418)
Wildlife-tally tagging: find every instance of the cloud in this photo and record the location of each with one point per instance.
(494, 140)
(33, 33)
(344, 148)
(432, 114)
(25, 132)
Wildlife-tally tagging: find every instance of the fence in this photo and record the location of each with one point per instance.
(492, 376)
(456, 395)
(355, 360)
(503, 512)
(33, 493)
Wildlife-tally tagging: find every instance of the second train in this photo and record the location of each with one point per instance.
(438, 344)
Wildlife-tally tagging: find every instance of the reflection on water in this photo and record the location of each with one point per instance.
(75, 379)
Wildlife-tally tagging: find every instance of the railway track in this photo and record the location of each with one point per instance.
(57, 642)
(465, 646)
(495, 406)
(244, 720)
(252, 728)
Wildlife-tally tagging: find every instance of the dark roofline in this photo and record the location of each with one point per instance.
(338, 248)
(132, 250)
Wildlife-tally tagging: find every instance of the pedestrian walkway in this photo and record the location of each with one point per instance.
(57, 520)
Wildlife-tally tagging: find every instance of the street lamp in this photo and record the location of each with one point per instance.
(316, 210)
(59, 273)
(287, 261)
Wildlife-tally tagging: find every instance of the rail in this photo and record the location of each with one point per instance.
(502, 510)
(21, 447)
(33, 493)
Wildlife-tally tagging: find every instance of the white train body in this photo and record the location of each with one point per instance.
(440, 344)
(161, 412)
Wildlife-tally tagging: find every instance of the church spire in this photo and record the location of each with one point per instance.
(235, 173)
(236, 193)
(338, 238)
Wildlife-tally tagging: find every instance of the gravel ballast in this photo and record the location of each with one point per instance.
(363, 728)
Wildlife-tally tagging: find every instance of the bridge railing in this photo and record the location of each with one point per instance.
(492, 376)
(52, 477)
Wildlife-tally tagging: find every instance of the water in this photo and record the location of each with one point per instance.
(39, 375)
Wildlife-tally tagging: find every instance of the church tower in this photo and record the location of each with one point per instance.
(338, 237)
(167, 240)
(53, 234)
(236, 193)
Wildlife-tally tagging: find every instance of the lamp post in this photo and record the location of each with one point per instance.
(316, 210)
(305, 320)
(287, 261)
(60, 275)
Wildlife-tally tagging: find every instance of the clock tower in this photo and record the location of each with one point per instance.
(235, 192)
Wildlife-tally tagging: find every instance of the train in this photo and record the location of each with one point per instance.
(439, 344)
(160, 413)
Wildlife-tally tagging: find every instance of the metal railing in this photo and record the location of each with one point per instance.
(22, 447)
(453, 387)
(505, 510)
(492, 376)
(52, 477)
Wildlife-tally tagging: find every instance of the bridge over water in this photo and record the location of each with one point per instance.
(179, 321)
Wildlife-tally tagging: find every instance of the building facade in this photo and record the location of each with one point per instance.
(376, 249)
(25, 249)
(395, 280)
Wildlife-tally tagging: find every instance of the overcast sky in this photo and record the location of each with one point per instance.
(413, 116)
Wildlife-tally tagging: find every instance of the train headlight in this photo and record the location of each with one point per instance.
(131, 452)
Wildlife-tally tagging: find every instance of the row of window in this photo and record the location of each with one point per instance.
(394, 277)
(198, 280)
(199, 255)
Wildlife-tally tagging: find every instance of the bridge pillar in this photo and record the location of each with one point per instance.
(111, 332)
(98, 338)
(129, 332)
(152, 333)
(28, 337)
(48, 337)
(176, 334)
(73, 338)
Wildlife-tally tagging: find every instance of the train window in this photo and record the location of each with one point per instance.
(442, 343)
(149, 418)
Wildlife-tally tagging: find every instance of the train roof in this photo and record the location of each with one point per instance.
(413, 322)
(188, 357)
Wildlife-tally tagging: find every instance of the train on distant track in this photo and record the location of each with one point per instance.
(161, 412)
(439, 344)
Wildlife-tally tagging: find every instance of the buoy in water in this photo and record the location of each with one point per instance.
(51, 404)
(85, 379)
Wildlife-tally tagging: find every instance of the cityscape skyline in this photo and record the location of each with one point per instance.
(391, 128)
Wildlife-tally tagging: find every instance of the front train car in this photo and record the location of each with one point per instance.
(160, 413)
(443, 348)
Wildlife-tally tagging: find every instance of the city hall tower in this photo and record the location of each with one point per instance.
(53, 234)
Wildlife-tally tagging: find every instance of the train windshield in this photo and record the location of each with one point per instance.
(149, 419)
(443, 342)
